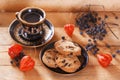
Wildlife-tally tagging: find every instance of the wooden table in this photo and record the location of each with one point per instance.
(93, 71)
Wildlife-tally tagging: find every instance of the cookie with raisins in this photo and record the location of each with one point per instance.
(67, 63)
(67, 47)
(49, 58)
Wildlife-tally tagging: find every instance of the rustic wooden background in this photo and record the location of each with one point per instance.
(60, 15)
(59, 5)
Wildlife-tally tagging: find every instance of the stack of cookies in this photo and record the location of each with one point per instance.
(64, 55)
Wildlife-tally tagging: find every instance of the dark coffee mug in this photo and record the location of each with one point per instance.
(31, 16)
(32, 19)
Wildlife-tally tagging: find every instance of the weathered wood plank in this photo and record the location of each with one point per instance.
(59, 5)
(41, 73)
(59, 19)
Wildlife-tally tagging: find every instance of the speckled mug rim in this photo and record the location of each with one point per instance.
(19, 14)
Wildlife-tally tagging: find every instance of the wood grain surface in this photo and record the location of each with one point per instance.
(93, 71)
(60, 5)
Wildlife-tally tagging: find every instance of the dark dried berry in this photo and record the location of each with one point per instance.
(48, 57)
(65, 64)
(116, 17)
(95, 13)
(113, 55)
(90, 48)
(75, 61)
(56, 58)
(70, 47)
(11, 62)
(21, 55)
(100, 38)
(89, 40)
(81, 32)
(118, 51)
(99, 18)
(69, 65)
(106, 16)
(94, 52)
(94, 40)
(63, 37)
(55, 51)
(88, 45)
(93, 20)
(71, 53)
(16, 59)
(63, 61)
(86, 26)
(108, 46)
(88, 32)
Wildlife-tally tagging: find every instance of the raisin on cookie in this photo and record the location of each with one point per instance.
(49, 58)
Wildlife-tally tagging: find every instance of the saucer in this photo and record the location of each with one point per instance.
(83, 59)
(15, 27)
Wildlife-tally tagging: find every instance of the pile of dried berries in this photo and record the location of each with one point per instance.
(116, 52)
(94, 26)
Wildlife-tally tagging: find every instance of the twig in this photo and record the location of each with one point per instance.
(110, 23)
(111, 31)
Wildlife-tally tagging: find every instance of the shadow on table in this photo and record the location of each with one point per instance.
(32, 75)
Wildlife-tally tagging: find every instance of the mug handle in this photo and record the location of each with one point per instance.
(16, 14)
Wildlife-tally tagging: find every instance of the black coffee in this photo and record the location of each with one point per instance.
(31, 17)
